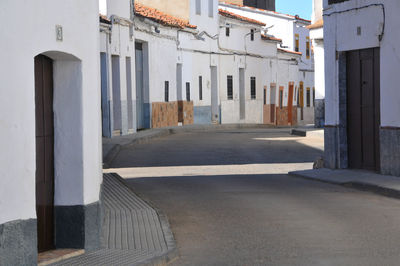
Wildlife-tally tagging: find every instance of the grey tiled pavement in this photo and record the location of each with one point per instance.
(133, 232)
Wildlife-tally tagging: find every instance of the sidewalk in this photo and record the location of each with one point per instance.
(133, 232)
(358, 179)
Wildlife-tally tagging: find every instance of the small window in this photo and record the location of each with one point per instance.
(308, 47)
(308, 97)
(227, 31)
(296, 44)
(211, 8)
(166, 91)
(198, 7)
(281, 97)
(252, 35)
(230, 87)
(188, 91)
(200, 88)
(313, 96)
(253, 87)
(265, 96)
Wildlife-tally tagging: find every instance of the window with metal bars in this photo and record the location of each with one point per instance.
(308, 97)
(253, 87)
(252, 35)
(166, 91)
(188, 91)
(200, 88)
(230, 87)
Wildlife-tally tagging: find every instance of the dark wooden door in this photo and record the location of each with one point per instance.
(363, 109)
(290, 104)
(44, 152)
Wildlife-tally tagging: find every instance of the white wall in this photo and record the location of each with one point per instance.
(163, 57)
(371, 21)
(258, 58)
(26, 38)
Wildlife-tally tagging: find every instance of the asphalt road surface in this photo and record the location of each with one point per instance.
(230, 201)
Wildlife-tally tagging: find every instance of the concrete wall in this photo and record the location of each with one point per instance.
(76, 105)
(370, 20)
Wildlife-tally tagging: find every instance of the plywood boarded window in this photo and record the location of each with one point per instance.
(253, 87)
(230, 87)
(296, 43)
(166, 91)
(200, 88)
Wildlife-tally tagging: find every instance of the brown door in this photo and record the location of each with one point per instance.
(44, 152)
(290, 104)
(363, 109)
(301, 100)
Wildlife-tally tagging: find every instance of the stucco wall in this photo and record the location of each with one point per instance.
(371, 21)
(26, 38)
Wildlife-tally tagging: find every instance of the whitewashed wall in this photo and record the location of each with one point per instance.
(258, 64)
(26, 38)
(163, 58)
(371, 20)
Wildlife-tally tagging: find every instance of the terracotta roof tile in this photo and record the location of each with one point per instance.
(250, 7)
(235, 16)
(318, 24)
(270, 38)
(161, 17)
(104, 19)
(288, 51)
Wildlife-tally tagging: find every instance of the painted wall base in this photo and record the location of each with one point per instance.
(78, 226)
(390, 151)
(202, 115)
(18, 243)
(319, 113)
(331, 147)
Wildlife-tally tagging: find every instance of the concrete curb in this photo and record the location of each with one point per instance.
(381, 190)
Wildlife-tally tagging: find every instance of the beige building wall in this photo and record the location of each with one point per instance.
(176, 8)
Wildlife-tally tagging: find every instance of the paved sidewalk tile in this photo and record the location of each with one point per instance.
(382, 184)
(133, 233)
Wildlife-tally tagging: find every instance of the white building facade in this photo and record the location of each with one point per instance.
(50, 128)
(295, 37)
(362, 101)
(317, 37)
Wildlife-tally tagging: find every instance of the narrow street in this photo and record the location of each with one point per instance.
(230, 201)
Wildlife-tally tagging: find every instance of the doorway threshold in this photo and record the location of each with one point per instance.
(57, 255)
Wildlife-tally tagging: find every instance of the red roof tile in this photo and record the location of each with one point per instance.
(104, 19)
(235, 16)
(270, 38)
(161, 17)
(288, 51)
(296, 17)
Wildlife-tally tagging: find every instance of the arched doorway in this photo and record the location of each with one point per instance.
(44, 152)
